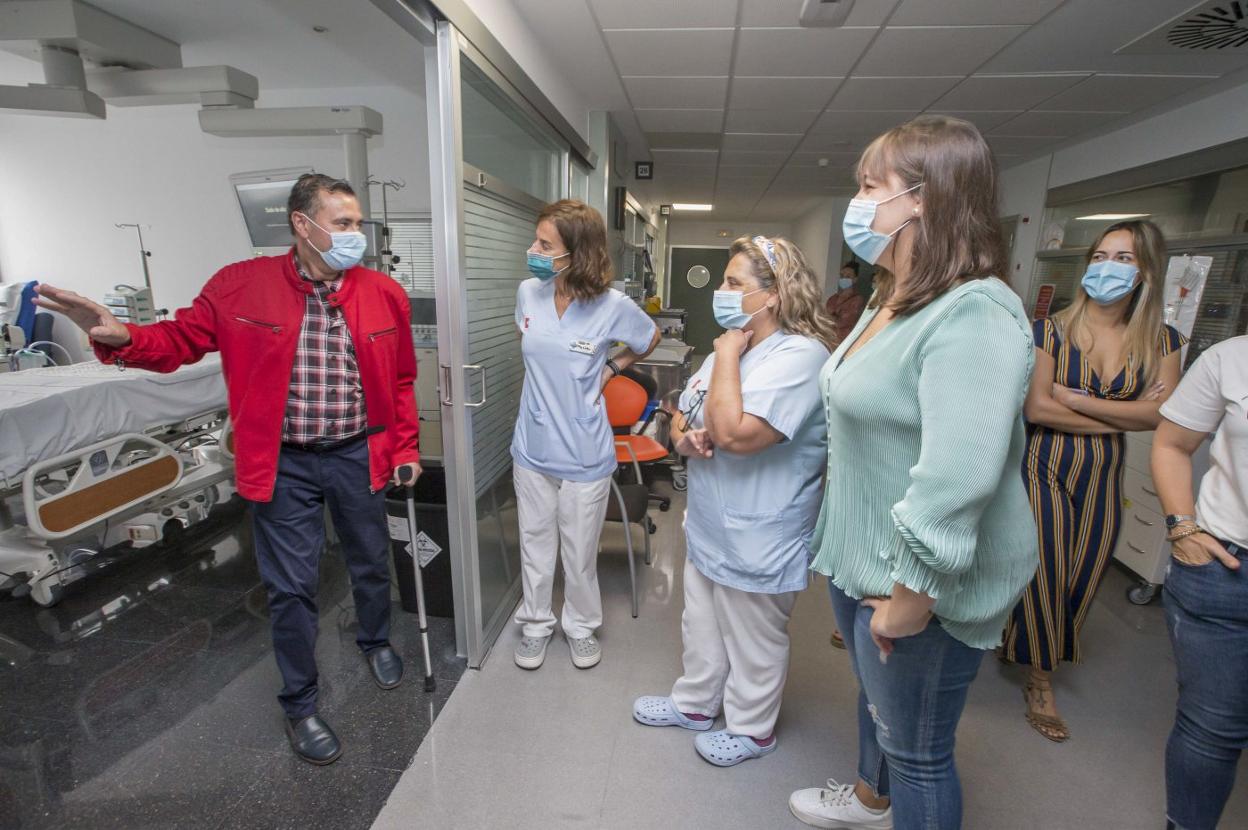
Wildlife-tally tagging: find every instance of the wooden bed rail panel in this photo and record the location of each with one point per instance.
(64, 513)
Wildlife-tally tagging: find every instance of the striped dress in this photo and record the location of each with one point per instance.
(1073, 482)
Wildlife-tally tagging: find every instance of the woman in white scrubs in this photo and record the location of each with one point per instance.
(752, 426)
(569, 319)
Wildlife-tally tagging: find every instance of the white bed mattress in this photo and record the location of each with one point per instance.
(48, 412)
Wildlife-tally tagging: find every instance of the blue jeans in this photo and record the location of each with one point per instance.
(289, 537)
(908, 711)
(1207, 614)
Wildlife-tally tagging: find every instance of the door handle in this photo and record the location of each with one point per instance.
(1144, 522)
(481, 402)
(1146, 490)
(446, 384)
(1137, 550)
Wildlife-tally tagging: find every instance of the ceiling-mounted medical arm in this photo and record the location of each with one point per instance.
(355, 124)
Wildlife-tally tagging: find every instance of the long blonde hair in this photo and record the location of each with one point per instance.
(1144, 324)
(801, 308)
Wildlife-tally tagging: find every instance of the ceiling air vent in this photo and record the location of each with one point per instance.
(1218, 26)
(824, 12)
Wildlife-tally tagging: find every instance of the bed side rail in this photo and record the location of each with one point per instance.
(71, 492)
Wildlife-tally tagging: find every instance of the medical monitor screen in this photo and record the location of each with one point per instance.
(262, 196)
(264, 212)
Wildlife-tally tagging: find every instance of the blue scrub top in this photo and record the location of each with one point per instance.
(751, 517)
(562, 427)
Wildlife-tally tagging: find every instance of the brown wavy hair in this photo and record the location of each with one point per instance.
(801, 308)
(1143, 317)
(958, 235)
(585, 234)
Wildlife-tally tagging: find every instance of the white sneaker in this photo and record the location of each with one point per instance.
(531, 652)
(837, 808)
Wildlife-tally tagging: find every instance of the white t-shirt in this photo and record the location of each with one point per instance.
(1213, 397)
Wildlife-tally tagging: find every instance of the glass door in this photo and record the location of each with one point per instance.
(493, 167)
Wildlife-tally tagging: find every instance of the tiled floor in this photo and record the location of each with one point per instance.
(145, 699)
(557, 748)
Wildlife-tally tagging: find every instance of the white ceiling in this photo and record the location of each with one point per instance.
(732, 100)
(274, 40)
(737, 104)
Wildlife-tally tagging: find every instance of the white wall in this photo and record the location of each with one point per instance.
(69, 180)
(1217, 119)
(1023, 189)
(818, 233)
(683, 231)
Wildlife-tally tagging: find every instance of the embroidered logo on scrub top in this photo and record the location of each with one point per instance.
(583, 347)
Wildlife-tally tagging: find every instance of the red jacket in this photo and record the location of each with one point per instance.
(251, 312)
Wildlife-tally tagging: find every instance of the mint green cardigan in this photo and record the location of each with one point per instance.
(925, 449)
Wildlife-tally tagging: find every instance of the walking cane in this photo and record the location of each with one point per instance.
(410, 488)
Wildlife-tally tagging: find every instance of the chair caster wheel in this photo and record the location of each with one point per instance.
(1142, 594)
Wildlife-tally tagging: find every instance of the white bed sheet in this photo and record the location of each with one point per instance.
(48, 412)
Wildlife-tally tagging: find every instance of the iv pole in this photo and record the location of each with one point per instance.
(388, 258)
(143, 252)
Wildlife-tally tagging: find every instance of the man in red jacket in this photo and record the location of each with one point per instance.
(319, 365)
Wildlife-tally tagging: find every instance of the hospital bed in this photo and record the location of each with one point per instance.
(93, 458)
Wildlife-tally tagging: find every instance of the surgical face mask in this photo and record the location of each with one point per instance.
(728, 312)
(1107, 282)
(856, 228)
(543, 266)
(346, 248)
(844, 283)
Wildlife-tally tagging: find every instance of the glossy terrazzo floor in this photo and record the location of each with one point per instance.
(145, 699)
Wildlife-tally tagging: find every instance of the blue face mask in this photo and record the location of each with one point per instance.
(543, 266)
(727, 306)
(856, 228)
(346, 248)
(1107, 282)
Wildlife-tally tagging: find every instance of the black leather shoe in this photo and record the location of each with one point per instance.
(386, 666)
(313, 740)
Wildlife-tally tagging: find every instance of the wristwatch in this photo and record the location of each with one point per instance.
(1173, 521)
(614, 367)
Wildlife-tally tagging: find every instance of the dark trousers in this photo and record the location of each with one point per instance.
(289, 537)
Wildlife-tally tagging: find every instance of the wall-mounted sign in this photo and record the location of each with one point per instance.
(643, 170)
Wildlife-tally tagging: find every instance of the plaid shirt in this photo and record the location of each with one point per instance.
(326, 400)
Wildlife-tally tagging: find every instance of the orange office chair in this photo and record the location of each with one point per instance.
(626, 400)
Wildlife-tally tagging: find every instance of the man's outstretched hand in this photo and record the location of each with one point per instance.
(96, 320)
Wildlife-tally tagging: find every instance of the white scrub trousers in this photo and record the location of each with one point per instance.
(559, 516)
(736, 654)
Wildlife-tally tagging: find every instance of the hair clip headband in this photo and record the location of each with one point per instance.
(769, 249)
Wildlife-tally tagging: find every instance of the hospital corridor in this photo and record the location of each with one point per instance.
(585, 414)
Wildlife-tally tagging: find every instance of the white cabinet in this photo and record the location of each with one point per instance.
(1142, 544)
